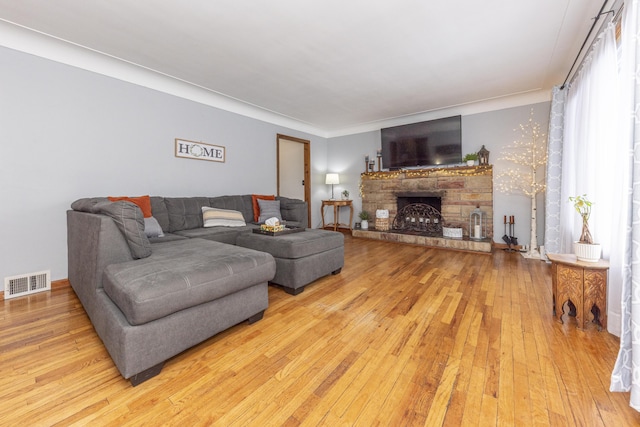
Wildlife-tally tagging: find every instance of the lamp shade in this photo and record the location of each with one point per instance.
(332, 178)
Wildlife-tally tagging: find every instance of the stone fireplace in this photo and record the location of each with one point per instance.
(452, 192)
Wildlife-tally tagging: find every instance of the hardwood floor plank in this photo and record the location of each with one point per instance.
(404, 335)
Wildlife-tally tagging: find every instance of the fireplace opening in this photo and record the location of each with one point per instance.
(418, 218)
(435, 202)
(418, 213)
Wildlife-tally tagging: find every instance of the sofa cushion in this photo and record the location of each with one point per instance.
(295, 245)
(159, 211)
(130, 221)
(152, 227)
(88, 204)
(240, 203)
(269, 209)
(256, 207)
(143, 202)
(217, 234)
(185, 212)
(183, 274)
(214, 217)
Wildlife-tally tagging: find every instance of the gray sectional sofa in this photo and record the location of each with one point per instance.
(154, 289)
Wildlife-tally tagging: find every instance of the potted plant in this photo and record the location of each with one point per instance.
(584, 248)
(345, 195)
(364, 217)
(470, 158)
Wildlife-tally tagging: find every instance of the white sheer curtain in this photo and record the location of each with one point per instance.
(626, 373)
(590, 163)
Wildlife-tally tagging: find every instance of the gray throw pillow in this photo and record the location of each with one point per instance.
(130, 221)
(152, 227)
(269, 209)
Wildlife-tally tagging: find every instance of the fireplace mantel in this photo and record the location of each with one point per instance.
(461, 190)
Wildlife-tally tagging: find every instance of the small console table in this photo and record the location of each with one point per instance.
(337, 204)
(584, 284)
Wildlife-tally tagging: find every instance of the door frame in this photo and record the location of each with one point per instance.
(307, 168)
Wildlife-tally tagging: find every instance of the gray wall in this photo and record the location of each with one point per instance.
(494, 130)
(67, 133)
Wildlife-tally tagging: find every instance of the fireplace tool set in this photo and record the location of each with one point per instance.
(509, 238)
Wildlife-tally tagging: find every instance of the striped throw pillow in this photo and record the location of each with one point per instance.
(213, 217)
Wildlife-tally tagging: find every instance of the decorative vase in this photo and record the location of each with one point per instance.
(364, 224)
(587, 252)
(471, 162)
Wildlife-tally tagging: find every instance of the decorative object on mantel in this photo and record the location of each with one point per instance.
(425, 173)
(470, 159)
(199, 151)
(345, 194)
(509, 239)
(584, 248)
(372, 163)
(332, 178)
(477, 226)
(364, 217)
(379, 156)
(366, 163)
(483, 156)
(529, 155)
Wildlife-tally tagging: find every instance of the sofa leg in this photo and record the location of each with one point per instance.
(337, 271)
(141, 377)
(293, 291)
(255, 317)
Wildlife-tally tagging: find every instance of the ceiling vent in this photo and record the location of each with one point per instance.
(26, 284)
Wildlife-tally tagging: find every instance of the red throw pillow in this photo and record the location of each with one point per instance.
(256, 207)
(143, 202)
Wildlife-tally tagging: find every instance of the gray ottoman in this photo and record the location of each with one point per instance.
(300, 257)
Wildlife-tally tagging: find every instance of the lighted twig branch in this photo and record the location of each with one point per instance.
(528, 155)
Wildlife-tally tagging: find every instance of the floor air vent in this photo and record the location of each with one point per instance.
(26, 284)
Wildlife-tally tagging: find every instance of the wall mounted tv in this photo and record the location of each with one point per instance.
(434, 142)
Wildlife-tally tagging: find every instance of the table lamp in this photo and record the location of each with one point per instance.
(332, 178)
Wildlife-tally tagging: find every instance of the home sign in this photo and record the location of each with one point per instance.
(199, 151)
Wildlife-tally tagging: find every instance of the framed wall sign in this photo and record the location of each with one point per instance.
(199, 151)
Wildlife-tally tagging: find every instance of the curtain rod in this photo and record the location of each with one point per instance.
(595, 21)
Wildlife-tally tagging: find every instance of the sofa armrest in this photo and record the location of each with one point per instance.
(294, 210)
(93, 242)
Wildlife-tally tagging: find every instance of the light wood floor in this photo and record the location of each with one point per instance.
(403, 336)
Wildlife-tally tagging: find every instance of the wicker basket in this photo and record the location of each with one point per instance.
(382, 224)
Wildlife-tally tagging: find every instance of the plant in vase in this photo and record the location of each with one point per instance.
(584, 248)
(345, 195)
(470, 158)
(364, 217)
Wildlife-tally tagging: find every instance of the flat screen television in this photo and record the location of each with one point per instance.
(430, 143)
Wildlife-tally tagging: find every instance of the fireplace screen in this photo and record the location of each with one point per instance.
(419, 218)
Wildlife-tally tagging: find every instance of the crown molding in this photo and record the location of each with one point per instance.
(26, 40)
(475, 107)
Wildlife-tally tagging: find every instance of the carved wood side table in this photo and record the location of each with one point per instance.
(583, 285)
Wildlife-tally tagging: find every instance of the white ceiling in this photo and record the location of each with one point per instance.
(330, 65)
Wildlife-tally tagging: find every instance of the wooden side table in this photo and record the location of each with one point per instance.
(336, 213)
(584, 284)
